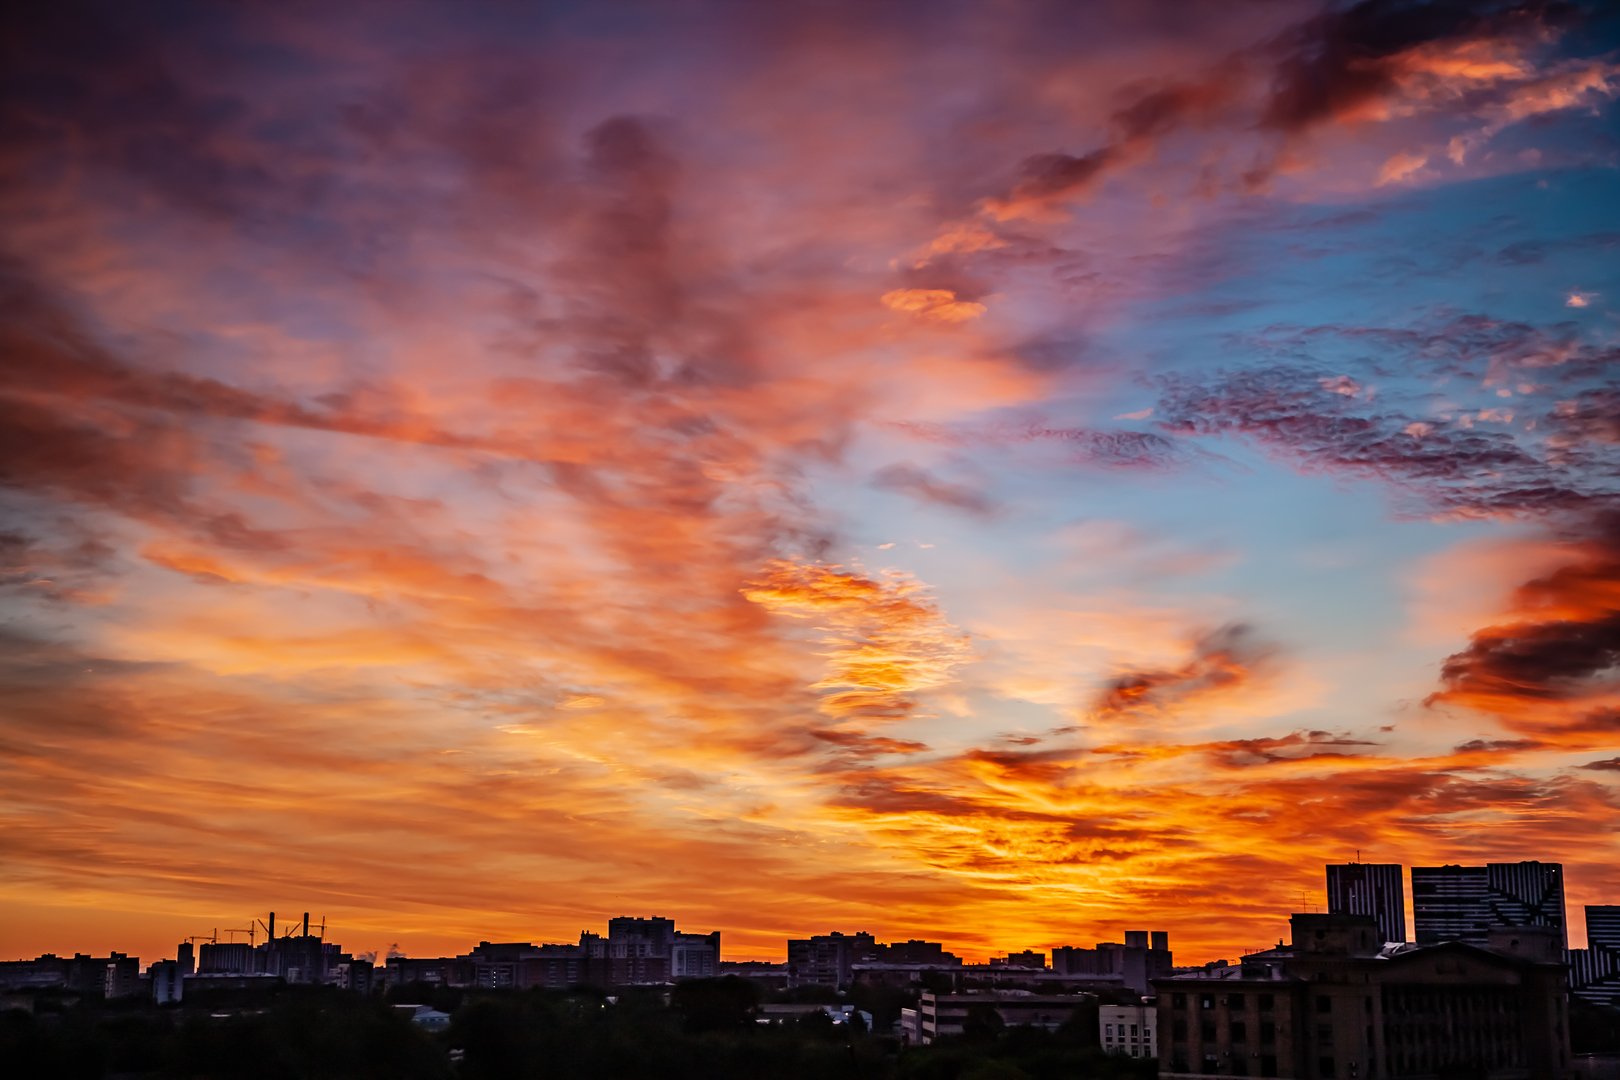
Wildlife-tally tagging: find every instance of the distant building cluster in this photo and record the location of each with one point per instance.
(841, 960)
(1481, 986)
(636, 951)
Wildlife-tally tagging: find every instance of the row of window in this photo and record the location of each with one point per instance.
(1233, 1001)
(1236, 1031)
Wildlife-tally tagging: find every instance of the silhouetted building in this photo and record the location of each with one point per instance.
(227, 958)
(1338, 1003)
(121, 977)
(828, 959)
(1029, 960)
(634, 952)
(355, 975)
(1594, 972)
(634, 941)
(1143, 957)
(436, 971)
(1464, 903)
(1376, 889)
(42, 973)
(839, 960)
(80, 973)
(913, 951)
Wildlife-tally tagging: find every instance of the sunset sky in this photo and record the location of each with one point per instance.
(999, 472)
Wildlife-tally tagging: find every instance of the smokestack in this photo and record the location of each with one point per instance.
(306, 924)
(272, 926)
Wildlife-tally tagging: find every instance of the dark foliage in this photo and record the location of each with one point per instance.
(700, 1029)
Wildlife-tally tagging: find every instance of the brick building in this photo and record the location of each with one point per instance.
(1337, 1004)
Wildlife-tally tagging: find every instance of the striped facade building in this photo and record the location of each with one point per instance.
(1594, 972)
(1463, 903)
(1376, 889)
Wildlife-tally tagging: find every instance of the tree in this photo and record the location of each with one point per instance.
(715, 1004)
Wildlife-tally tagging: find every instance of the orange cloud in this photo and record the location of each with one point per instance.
(940, 305)
(885, 640)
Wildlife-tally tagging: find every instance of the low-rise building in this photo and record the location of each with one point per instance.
(1129, 1029)
(943, 1015)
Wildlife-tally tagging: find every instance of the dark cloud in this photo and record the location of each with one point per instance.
(1044, 178)
(923, 486)
(1556, 651)
(1348, 58)
(1114, 448)
(1474, 746)
(1160, 110)
(1535, 252)
(1297, 746)
(858, 745)
(1222, 660)
(1326, 420)
(78, 419)
(1604, 765)
(1593, 415)
(1547, 660)
(1148, 113)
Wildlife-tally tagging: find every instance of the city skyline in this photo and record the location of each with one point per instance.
(1343, 895)
(986, 473)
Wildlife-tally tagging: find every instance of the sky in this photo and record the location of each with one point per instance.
(999, 472)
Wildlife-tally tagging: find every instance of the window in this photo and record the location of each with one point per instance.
(1268, 1064)
(1324, 1004)
(1108, 1029)
(1178, 1001)
(1327, 1068)
(1206, 1031)
(1268, 1031)
(1178, 1030)
(1234, 1000)
(1239, 1031)
(1206, 1001)
(1133, 1031)
(1267, 1001)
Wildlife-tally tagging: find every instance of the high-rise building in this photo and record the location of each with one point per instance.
(828, 959)
(1594, 972)
(168, 981)
(1603, 926)
(1376, 889)
(1463, 903)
